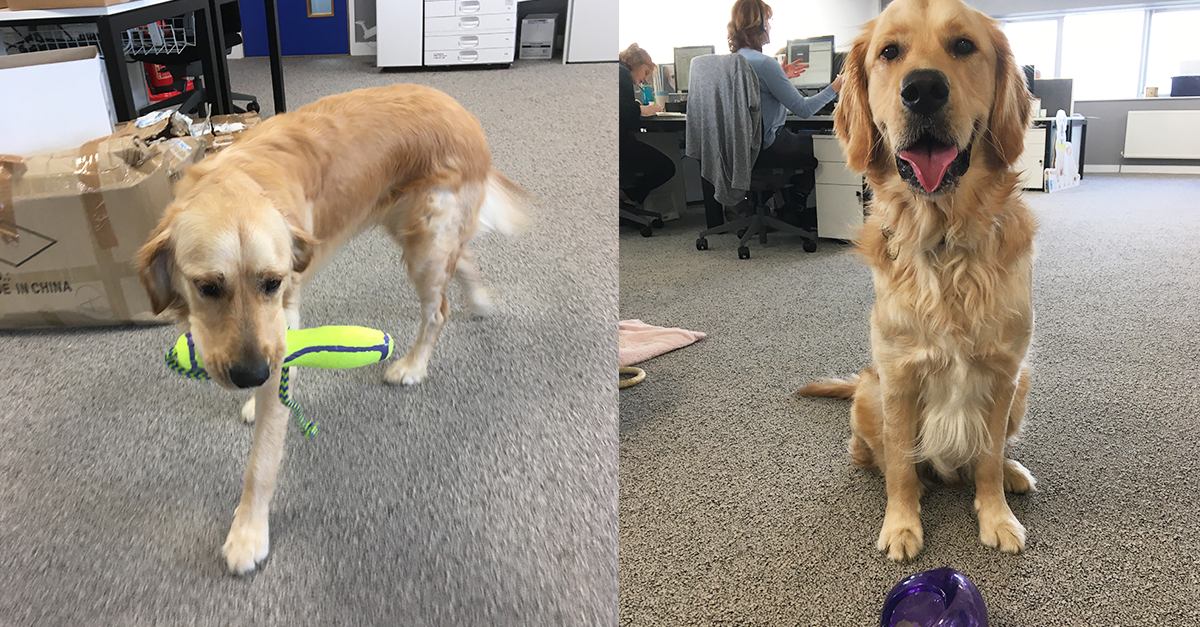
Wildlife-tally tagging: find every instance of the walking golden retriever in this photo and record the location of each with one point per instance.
(934, 111)
(252, 224)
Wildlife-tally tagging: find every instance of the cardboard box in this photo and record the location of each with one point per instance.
(70, 224)
(53, 100)
(537, 36)
(25, 5)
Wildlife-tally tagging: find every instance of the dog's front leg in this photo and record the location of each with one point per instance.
(998, 527)
(248, 541)
(901, 537)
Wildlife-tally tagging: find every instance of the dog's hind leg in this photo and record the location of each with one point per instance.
(432, 238)
(468, 277)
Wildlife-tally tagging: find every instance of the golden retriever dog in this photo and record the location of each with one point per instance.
(250, 225)
(934, 111)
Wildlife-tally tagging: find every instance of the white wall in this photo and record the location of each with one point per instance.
(1017, 7)
(661, 25)
(591, 31)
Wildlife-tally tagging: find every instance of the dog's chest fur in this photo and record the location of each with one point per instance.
(953, 309)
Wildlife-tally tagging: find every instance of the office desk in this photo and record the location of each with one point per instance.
(1039, 149)
(839, 205)
(678, 123)
(113, 20)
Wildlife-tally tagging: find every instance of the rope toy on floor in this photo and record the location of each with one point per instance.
(638, 375)
(336, 347)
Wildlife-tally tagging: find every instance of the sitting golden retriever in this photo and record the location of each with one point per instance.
(934, 111)
(250, 225)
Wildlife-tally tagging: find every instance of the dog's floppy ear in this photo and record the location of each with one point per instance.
(155, 262)
(852, 117)
(1010, 109)
(303, 245)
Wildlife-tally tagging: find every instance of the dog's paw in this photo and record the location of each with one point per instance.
(901, 541)
(404, 372)
(248, 411)
(1002, 531)
(481, 303)
(1017, 478)
(246, 546)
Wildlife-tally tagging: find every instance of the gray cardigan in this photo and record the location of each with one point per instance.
(724, 123)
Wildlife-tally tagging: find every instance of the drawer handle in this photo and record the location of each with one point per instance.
(469, 6)
(468, 41)
(468, 22)
(468, 55)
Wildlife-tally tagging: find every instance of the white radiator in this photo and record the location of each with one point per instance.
(1162, 135)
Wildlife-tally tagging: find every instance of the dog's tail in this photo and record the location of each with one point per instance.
(503, 209)
(836, 388)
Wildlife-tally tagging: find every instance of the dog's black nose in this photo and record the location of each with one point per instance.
(249, 376)
(925, 91)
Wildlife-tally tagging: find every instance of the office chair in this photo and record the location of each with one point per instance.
(186, 64)
(645, 221)
(724, 131)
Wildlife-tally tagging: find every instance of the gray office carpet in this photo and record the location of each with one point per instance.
(486, 495)
(739, 505)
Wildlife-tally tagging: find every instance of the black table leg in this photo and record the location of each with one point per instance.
(118, 73)
(218, 42)
(1082, 145)
(208, 61)
(276, 55)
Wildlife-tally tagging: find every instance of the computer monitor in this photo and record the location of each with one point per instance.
(817, 52)
(683, 63)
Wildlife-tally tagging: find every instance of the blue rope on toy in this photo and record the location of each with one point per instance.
(308, 427)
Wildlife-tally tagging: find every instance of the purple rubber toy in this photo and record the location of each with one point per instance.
(935, 598)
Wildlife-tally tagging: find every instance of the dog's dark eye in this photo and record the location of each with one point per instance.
(890, 52)
(964, 47)
(270, 285)
(208, 289)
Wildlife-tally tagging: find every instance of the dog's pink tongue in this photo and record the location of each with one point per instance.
(930, 163)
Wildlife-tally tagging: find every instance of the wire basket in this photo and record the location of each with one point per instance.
(162, 37)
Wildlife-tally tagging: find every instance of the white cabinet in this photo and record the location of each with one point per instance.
(839, 192)
(1032, 164)
(465, 32)
(399, 35)
(446, 32)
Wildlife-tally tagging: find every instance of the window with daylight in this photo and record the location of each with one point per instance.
(1102, 52)
(1172, 42)
(1034, 43)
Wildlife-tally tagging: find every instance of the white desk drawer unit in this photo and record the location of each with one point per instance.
(1032, 163)
(464, 32)
(839, 192)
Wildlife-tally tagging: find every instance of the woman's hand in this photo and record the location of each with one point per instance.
(795, 68)
(651, 109)
(837, 83)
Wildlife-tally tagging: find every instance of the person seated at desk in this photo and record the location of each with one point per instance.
(749, 29)
(636, 157)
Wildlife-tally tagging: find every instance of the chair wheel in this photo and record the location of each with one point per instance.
(743, 252)
(741, 233)
(252, 106)
(647, 231)
(701, 244)
(656, 223)
(810, 246)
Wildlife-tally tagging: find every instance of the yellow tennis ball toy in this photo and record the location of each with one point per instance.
(334, 347)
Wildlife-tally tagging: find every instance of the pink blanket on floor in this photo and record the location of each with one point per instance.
(640, 341)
